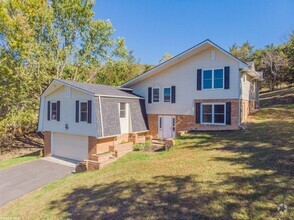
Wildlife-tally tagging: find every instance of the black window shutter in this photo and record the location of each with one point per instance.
(48, 111)
(58, 111)
(89, 111)
(228, 113)
(173, 94)
(77, 110)
(198, 113)
(150, 95)
(199, 78)
(227, 77)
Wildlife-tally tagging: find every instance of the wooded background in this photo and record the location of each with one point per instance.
(41, 40)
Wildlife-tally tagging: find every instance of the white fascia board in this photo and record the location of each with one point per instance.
(180, 56)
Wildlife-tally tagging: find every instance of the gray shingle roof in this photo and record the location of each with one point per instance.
(98, 89)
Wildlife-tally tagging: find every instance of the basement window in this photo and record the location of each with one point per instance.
(213, 114)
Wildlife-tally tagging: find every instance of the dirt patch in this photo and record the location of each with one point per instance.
(19, 146)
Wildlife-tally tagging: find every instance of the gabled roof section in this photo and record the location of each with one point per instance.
(187, 53)
(90, 88)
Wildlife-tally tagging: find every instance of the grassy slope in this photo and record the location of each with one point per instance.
(240, 174)
(19, 160)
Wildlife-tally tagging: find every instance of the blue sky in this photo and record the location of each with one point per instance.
(153, 27)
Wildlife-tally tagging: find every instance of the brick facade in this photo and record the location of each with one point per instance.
(98, 146)
(47, 144)
(188, 122)
(247, 107)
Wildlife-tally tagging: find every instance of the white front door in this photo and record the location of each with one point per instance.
(166, 127)
(124, 117)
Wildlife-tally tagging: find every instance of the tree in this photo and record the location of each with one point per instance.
(166, 56)
(41, 40)
(288, 50)
(272, 62)
(243, 52)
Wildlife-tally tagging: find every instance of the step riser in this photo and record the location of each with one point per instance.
(121, 153)
(120, 148)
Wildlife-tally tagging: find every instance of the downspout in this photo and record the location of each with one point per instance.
(101, 118)
(240, 98)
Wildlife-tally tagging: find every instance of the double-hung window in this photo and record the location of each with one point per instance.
(213, 79)
(122, 110)
(213, 113)
(54, 111)
(84, 111)
(155, 94)
(167, 94)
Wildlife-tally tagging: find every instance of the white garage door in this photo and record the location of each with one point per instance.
(74, 147)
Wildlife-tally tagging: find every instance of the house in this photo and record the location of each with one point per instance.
(203, 88)
(81, 120)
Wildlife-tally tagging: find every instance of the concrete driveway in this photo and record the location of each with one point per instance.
(22, 179)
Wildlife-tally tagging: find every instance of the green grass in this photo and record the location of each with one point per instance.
(19, 160)
(242, 174)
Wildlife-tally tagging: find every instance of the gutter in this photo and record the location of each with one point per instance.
(101, 118)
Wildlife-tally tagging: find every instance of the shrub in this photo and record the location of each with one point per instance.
(143, 146)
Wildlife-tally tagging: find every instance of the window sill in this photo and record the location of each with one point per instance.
(212, 124)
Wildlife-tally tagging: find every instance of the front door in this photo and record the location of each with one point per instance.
(166, 127)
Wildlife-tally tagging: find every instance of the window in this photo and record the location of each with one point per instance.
(84, 112)
(218, 79)
(207, 113)
(207, 79)
(54, 111)
(213, 114)
(166, 94)
(155, 94)
(160, 122)
(122, 110)
(213, 79)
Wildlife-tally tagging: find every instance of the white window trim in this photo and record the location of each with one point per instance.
(158, 95)
(124, 110)
(51, 103)
(170, 96)
(80, 111)
(213, 103)
(202, 79)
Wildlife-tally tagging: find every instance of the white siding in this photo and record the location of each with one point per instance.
(248, 88)
(184, 76)
(67, 97)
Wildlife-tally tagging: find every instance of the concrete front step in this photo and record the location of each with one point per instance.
(121, 147)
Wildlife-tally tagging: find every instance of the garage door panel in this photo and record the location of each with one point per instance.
(70, 146)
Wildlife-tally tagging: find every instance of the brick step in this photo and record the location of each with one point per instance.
(101, 157)
(121, 147)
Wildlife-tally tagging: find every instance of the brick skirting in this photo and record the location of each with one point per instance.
(188, 122)
(47, 143)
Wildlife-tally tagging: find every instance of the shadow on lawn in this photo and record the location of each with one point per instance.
(164, 197)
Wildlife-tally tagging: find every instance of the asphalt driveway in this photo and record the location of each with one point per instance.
(22, 179)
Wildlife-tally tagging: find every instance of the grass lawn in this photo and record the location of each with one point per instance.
(19, 160)
(242, 174)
